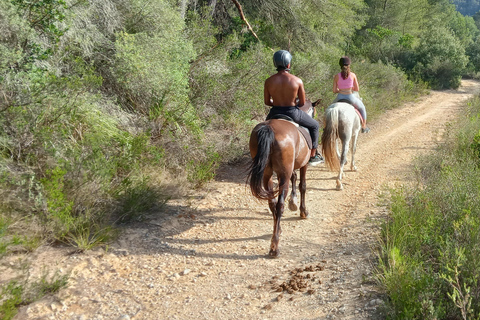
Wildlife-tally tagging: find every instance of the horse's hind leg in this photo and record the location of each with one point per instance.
(337, 149)
(353, 167)
(283, 192)
(268, 185)
(343, 160)
(293, 201)
(339, 179)
(303, 189)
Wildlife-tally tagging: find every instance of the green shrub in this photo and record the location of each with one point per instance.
(441, 59)
(429, 263)
(201, 172)
(473, 53)
(12, 298)
(4, 223)
(476, 144)
(58, 206)
(137, 197)
(20, 292)
(90, 235)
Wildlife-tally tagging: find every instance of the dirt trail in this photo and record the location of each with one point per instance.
(206, 258)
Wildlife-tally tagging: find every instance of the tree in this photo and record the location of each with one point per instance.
(404, 16)
(441, 58)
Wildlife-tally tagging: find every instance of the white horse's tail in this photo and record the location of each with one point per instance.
(329, 138)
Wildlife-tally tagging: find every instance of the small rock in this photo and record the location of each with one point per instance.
(121, 252)
(185, 272)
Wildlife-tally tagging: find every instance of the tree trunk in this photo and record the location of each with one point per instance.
(242, 16)
(183, 8)
(213, 4)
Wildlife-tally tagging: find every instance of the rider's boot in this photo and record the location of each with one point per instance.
(365, 129)
(316, 158)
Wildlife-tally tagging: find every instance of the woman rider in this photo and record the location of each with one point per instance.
(345, 83)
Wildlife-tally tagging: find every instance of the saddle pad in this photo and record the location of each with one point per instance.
(356, 110)
(304, 131)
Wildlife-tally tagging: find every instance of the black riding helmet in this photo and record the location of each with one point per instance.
(281, 59)
(344, 61)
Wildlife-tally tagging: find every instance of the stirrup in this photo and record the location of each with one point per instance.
(317, 159)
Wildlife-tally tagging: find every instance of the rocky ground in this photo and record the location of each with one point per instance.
(205, 257)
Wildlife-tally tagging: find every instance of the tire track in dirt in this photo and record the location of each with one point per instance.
(206, 257)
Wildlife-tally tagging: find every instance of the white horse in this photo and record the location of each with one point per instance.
(341, 122)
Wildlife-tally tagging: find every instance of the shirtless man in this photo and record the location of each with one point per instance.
(281, 92)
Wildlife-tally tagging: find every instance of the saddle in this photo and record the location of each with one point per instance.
(308, 108)
(356, 110)
(304, 131)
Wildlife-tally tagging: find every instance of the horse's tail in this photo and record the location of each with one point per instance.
(265, 138)
(329, 138)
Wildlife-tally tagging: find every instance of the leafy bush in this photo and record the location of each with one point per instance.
(441, 59)
(473, 53)
(18, 292)
(73, 146)
(429, 263)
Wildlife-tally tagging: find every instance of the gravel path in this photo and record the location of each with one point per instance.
(206, 257)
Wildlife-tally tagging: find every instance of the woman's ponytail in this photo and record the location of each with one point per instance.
(345, 71)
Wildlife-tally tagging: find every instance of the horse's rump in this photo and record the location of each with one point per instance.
(274, 146)
(304, 131)
(354, 107)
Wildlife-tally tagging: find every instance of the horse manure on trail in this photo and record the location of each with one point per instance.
(300, 280)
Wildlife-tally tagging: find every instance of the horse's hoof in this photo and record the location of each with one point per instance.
(292, 206)
(339, 185)
(273, 253)
(304, 215)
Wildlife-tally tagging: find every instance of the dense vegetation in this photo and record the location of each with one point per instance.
(430, 263)
(108, 106)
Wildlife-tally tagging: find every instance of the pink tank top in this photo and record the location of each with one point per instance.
(344, 83)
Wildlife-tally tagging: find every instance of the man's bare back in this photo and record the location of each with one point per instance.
(282, 90)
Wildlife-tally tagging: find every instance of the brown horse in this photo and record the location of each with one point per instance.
(277, 146)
